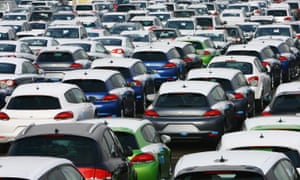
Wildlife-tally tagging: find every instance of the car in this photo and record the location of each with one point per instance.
(14, 72)
(57, 59)
(151, 156)
(38, 103)
(92, 147)
(204, 46)
(107, 89)
(281, 12)
(276, 122)
(274, 30)
(284, 101)
(136, 75)
(119, 27)
(119, 46)
(238, 164)
(207, 112)
(235, 85)
(266, 140)
(94, 49)
(149, 22)
(186, 26)
(266, 56)
(164, 60)
(248, 29)
(256, 75)
(63, 33)
(12, 48)
(34, 168)
(110, 18)
(36, 44)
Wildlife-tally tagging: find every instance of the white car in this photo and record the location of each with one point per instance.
(36, 168)
(274, 140)
(119, 46)
(39, 42)
(41, 103)
(238, 165)
(255, 73)
(280, 11)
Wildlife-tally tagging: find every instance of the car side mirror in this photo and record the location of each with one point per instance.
(165, 139)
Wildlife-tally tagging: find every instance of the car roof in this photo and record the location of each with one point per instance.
(157, 46)
(239, 58)
(143, 18)
(43, 88)
(60, 49)
(36, 37)
(28, 167)
(243, 159)
(114, 61)
(192, 38)
(275, 26)
(260, 138)
(224, 73)
(100, 74)
(201, 87)
(288, 88)
(13, 60)
(245, 47)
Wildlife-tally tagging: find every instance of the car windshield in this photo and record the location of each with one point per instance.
(175, 100)
(246, 53)
(111, 42)
(221, 175)
(180, 25)
(244, 67)
(33, 102)
(80, 150)
(280, 103)
(89, 85)
(84, 7)
(277, 12)
(274, 31)
(127, 140)
(7, 48)
(36, 42)
(14, 17)
(150, 56)
(55, 57)
(38, 25)
(41, 16)
(62, 33)
(7, 68)
(124, 71)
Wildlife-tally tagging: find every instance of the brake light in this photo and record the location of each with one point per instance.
(64, 115)
(151, 113)
(118, 51)
(110, 97)
(282, 58)
(257, 11)
(170, 65)
(143, 158)
(93, 173)
(214, 13)
(238, 96)
(298, 36)
(206, 53)
(151, 28)
(4, 116)
(9, 82)
(75, 66)
(212, 113)
(187, 59)
(266, 113)
(265, 64)
(137, 83)
(253, 81)
(287, 18)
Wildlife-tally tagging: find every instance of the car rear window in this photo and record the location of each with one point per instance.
(150, 56)
(181, 100)
(55, 57)
(33, 102)
(62, 32)
(245, 67)
(89, 85)
(204, 22)
(127, 140)
(36, 42)
(280, 103)
(81, 151)
(7, 48)
(221, 175)
(7, 68)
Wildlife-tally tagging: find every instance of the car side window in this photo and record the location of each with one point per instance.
(290, 169)
(259, 66)
(241, 80)
(25, 49)
(75, 96)
(113, 149)
(150, 134)
(140, 68)
(28, 68)
(70, 173)
(218, 94)
(279, 171)
(80, 54)
(54, 174)
(118, 81)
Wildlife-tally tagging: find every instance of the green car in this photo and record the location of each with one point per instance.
(151, 157)
(204, 47)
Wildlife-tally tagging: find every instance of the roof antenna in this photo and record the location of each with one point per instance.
(280, 120)
(56, 131)
(261, 136)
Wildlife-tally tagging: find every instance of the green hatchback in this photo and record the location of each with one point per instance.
(151, 157)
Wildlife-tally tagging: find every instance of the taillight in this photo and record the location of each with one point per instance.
(298, 36)
(170, 65)
(110, 97)
(151, 28)
(214, 13)
(206, 53)
(93, 173)
(266, 113)
(76, 66)
(287, 18)
(282, 58)
(257, 11)
(4, 116)
(253, 81)
(187, 59)
(118, 51)
(9, 82)
(143, 158)
(36, 65)
(238, 96)
(265, 64)
(150, 113)
(136, 83)
(212, 112)
(64, 115)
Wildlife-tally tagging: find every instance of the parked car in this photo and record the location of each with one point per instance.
(207, 112)
(92, 147)
(107, 89)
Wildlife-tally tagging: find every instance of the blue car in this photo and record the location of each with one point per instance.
(162, 59)
(107, 90)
